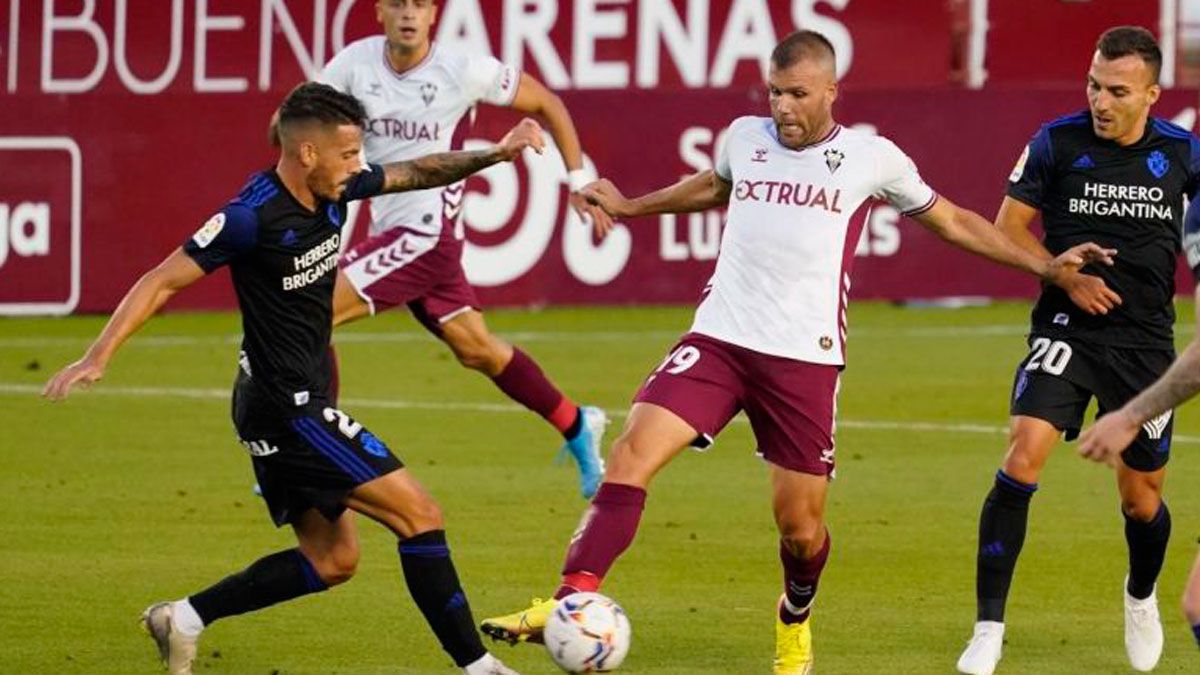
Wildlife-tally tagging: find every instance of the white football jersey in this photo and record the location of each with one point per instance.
(416, 113)
(795, 217)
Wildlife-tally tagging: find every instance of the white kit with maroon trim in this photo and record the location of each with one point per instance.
(415, 113)
(794, 220)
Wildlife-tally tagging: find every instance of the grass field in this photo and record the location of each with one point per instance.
(137, 491)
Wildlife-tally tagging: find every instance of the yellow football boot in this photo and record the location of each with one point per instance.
(793, 647)
(523, 626)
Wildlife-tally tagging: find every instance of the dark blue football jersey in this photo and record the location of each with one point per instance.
(1131, 198)
(283, 261)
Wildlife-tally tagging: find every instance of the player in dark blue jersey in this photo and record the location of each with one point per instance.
(279, 237)
(1116, 176)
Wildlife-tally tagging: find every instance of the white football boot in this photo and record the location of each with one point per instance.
(1143, 630)
(983, 651)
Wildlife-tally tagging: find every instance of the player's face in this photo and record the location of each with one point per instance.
(1120, 93)
(407, 23)
(802, 97)
(337, 158)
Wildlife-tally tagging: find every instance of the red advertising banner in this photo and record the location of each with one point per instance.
(125, 123)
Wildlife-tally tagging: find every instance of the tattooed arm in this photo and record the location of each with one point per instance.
(1114, 432)
(447, 167)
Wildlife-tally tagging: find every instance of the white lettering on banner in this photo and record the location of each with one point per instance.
(82, 22)
(310, 62)
(120, 57)
(657, 21)
(26, 228)
(748, 34)
(494, 208)
(204, 25)
(527, 25)
(461, 23)
(594, 21)
(656, 35)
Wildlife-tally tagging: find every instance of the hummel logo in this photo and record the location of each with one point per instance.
(827, 456)
(760, 155)
(1084, 162)
(289, 238)
(374, 89)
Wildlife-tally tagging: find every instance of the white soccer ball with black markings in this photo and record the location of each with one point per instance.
(587, 633)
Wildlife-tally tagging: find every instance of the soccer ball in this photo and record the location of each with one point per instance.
(587, 633)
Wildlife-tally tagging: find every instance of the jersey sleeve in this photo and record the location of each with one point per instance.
(367, 183)
(721, 165)
(487, 79)
(336, 73)
(230, 233)
(900, 183)
(1030, 176)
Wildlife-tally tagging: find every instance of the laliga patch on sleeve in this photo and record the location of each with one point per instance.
(1019, 169)
(209, 231)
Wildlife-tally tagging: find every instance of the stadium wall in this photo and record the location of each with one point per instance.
(125, 123)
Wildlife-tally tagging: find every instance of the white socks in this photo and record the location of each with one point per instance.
(185, 618)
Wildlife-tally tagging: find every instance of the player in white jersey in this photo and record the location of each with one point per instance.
(416, 93)
(769, 335)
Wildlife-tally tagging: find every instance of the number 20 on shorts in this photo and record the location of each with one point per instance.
(1049, 356)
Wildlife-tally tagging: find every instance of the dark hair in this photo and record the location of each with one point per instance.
(316, 102)
(799, 45)
(1131, 41)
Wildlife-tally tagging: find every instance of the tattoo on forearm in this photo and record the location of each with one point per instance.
(435, 170)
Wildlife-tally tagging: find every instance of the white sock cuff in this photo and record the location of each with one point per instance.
(185, 618)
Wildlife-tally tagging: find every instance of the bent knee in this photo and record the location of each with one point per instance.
(629, 462)
(1142, 508)
(803, 539)
(338, 565)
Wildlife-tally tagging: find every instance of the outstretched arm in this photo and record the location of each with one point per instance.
(970, 231)
(535, 99)
(145, 298)
(445, 168)
(699, 192)
(1112, 433)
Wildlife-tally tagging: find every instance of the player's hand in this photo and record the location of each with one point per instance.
(527, 134)
(1089, 292)
(592, 215)
(603, 194)
(83, 372)
(1111, 434)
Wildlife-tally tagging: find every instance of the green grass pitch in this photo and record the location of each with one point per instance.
(137, 491)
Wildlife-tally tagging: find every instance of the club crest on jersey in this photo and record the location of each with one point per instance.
(760, 155)
(825, 342)
(334, 216)
(428, 92)
(1158, 164)
(209, 230)
(833, 159)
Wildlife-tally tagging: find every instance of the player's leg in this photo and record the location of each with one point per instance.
(1191, 599)
(798, 502)
(791, 406)
(652, 437)
(397, 501)
(326, 556)
(1140, 475)
(1043, 407)
(687, 400)
(450, 311)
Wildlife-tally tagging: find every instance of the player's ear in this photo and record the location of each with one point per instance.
(1153, 93)
(307, 152)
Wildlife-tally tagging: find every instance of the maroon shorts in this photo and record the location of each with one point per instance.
(403, 267)
(790, 403)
